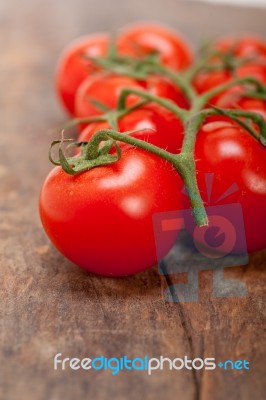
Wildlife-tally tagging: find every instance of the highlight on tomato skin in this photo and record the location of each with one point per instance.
(101, 219)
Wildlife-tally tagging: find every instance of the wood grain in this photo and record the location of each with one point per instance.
(48, 305)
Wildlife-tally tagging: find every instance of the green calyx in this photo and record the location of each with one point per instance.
(91, 155)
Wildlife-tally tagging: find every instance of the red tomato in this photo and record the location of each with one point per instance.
(102, 219)
(106, 88)
(73, 67)
(237, 161)
(162, 129)
(141, 39)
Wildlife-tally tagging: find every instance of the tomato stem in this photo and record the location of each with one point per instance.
(203, 99)
(183, 163)
(113, 114)
(221, 61)
(196, 111)
(237, 116)
(168, 104)
(93, 154)
(141, 69)
(180, 79)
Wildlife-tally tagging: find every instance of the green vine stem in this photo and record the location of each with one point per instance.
(93, 154)
(203, 99)
(181, 80)
(199, 102)
(109, 116)
(183, 163)
(141, 69)
(168, 104)
(225, 61)
(238, 116)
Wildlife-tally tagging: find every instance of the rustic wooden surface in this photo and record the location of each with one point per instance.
(48, 305)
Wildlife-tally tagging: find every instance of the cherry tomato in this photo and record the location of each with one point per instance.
(102, 219)
(155, 126)
(141, 39)
(106, 88)
(74, 66)
(238, 164)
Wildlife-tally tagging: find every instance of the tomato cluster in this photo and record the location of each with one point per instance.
(102, 219)
(76, 64)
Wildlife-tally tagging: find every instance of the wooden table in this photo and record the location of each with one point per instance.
(50, 306)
